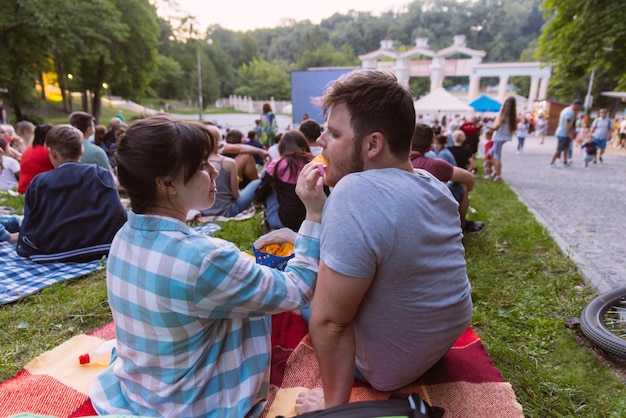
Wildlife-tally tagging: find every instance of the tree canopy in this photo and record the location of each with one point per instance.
(579, 37)
(125, 46)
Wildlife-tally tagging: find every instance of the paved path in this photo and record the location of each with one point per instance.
(582, 208)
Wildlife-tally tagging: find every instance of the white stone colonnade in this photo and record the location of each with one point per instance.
(437, 65)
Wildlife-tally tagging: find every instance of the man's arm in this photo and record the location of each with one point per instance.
(244, 149)
(335, 304)
(463, 176)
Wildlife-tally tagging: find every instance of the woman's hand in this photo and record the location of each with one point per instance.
(310, 189)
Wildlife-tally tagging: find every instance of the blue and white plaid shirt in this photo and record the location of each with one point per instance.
(193, 338)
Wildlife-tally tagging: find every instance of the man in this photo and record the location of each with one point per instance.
(72, 212)
(601, 129)
(392, 294)
(565, 132)
(459, 180)
(311, 131)
(93, 154)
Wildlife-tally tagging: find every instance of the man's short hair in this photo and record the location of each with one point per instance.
(422, 139)
(376, 102)
(310, 129)
(66, 140)
(81, 120)
(577, 102)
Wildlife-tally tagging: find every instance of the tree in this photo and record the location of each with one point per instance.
(261, 80)
(25, 27)
(580, 37)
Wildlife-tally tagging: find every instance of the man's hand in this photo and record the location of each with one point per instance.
(312, 400)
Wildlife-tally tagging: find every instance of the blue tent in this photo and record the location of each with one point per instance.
(485, 104)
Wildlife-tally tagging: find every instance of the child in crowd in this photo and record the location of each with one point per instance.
(522, 131)
(591, 150)
(72, 212)
(9, 169)
(10, 227)
(488, 163)
(191, 311)
(461, 151)
(9, 223)
(440, 149)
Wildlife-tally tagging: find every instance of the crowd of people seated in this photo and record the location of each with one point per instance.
(192, 312)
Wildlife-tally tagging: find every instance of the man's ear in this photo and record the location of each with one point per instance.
(375, 144)
(165, 184)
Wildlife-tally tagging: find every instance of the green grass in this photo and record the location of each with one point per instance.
(523, 288)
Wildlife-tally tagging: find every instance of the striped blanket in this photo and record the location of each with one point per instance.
(464, 382)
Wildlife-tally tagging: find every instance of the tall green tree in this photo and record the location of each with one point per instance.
(261, 80)
(580, 37)
(25, 31)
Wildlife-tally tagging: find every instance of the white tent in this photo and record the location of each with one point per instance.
(441, 101)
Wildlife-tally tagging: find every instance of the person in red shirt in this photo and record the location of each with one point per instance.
(35, 159)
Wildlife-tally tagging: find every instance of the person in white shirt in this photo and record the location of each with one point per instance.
(601, 131)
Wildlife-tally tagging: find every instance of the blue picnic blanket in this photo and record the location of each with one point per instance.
(20, 277)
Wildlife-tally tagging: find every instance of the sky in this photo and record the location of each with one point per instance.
(241, 15)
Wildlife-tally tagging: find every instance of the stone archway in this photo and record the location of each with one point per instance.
(438, 66)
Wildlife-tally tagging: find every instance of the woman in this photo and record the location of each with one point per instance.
(192, 335)
(267, 125)
(230, 200)
(35, 159)
(503, 128)
(278, 184)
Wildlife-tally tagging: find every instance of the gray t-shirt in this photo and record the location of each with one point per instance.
(404, 230)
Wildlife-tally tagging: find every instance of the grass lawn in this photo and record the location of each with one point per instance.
(523, 287)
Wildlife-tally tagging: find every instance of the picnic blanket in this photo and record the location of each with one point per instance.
(20, 277)
(464, 382)
(196, 216)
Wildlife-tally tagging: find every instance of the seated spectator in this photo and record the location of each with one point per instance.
(278, 183)
(72, 212)
(273, 149)
(192, 327)
(311, 131)
(9, 141)
(10, 227)
(246, 167)
(253, 141)
(471, 129)
(229, 200)
(99, 133)
(110, 138)
(458, 180)
(92, 154)
(462, 153)
(35, 159)
(439, 149)
(9, 170)
(25, 130)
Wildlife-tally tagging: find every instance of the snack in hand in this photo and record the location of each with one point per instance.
(321, 162)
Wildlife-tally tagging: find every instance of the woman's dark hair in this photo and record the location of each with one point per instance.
(159, 146)
(40, 134)
(295, 151)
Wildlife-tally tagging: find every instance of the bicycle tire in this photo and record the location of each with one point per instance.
(592, 321)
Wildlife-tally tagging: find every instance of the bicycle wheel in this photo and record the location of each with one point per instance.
(603, 321)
